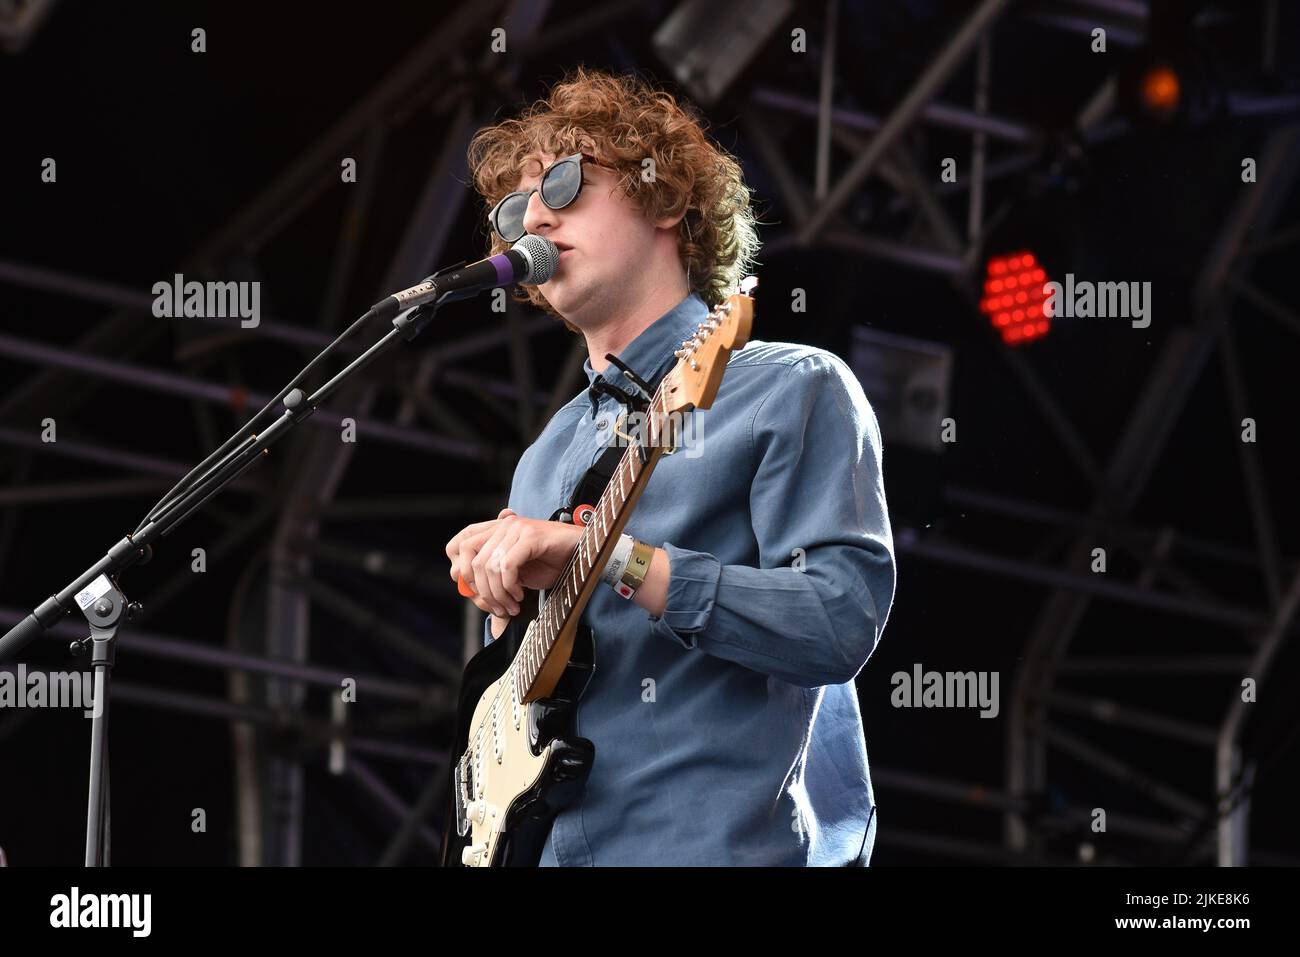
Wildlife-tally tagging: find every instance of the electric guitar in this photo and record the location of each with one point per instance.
(515, 761)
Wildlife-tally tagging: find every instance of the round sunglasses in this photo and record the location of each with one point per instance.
(560, 185)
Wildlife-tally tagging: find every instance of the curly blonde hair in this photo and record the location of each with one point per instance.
(622, 120)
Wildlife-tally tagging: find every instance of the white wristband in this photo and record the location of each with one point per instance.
(617, 563)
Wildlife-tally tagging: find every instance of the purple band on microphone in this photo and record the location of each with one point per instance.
(505, 271)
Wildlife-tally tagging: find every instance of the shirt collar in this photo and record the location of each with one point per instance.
(652, 346)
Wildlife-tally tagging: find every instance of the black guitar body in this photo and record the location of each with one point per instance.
(528, 821)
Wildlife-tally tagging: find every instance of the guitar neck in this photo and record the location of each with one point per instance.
(568, 597)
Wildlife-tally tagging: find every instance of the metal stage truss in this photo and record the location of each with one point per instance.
(286, 509)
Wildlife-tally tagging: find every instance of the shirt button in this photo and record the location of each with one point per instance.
(601, 423)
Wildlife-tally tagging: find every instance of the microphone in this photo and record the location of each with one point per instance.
(532, 260)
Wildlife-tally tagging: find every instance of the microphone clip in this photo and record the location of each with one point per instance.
(412, 322)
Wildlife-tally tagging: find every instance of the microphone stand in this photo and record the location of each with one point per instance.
(97, 594)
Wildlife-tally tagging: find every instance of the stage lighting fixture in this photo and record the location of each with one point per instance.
(1160, 89)
(706, 60)
(1013, 297)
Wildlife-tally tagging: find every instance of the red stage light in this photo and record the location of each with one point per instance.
(1015, 302)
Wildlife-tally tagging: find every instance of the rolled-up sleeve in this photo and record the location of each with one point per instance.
(813, 610)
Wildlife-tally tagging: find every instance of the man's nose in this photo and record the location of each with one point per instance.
(538, 215)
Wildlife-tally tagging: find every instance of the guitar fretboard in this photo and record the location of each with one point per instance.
(607, 520)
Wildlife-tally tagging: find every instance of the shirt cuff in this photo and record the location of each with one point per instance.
(692, 593)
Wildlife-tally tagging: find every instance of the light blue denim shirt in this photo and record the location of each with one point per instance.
(728, 732)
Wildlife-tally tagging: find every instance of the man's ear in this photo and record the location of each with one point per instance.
(670, 222)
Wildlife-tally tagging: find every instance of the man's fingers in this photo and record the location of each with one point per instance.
(471, 537)
(475, 554)
(487, 579)
(520, 552)
(498, 568)
(467, 533)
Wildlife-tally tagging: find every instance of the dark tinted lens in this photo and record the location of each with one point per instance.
(510, 218)
(561, 184)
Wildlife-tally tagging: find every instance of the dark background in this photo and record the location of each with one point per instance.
(159, 148)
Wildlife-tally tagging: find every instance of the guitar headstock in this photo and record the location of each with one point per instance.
(702, 359)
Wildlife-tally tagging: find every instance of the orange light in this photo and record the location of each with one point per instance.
(1160, 89)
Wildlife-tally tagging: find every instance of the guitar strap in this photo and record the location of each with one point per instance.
(592, 484)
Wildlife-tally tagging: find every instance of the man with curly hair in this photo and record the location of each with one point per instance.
(722, 704)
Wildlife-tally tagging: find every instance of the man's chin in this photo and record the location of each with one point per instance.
(562, 295)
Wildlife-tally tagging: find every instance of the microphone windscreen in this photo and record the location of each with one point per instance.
(542, 256)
